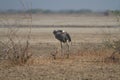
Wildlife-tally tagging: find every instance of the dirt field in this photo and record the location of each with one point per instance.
(89, 60)
(45, 35)
(59, 19)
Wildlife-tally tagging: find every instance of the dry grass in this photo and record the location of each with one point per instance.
(89, 60)
(61, 19)
(88, 63)
(45, 35)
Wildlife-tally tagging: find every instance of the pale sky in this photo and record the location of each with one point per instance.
(96, 5)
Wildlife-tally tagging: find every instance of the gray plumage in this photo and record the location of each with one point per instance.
(62, 36)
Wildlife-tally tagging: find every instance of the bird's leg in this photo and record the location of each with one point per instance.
(68, 49)
(61, 46)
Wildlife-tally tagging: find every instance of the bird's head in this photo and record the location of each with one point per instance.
(58, 31)
(54, 32)
(61, 31)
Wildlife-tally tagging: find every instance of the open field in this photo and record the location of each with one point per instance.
(59, 19)
(89, 59)
(45, 35)
(85, 63)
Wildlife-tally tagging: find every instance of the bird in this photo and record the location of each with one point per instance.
(63, 37)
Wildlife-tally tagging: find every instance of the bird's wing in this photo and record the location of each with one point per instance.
(69, 38)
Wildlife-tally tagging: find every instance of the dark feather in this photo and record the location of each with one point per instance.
(62, 36)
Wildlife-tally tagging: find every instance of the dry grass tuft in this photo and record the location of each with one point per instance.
(14, 50)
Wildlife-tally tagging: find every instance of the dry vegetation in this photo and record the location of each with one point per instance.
(90, 57)
(60, 19)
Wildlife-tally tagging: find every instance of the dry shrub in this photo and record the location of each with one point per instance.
(14, 50)
(115, 46)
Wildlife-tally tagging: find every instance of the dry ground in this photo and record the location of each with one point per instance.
(45, 35)
(67, 69)
(59, 19)
(88, 59)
